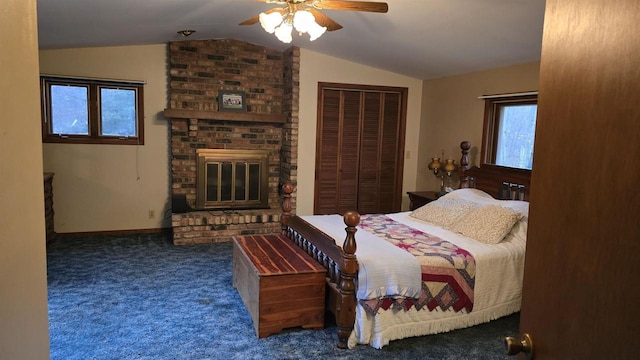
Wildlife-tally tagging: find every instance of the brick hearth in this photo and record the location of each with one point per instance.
(198, 70)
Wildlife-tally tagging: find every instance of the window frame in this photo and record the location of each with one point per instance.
(492, 122)
(94, 111)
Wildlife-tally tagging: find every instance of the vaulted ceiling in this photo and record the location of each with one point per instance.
(423, 39)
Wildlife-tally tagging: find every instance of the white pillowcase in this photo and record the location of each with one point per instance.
(444, 211)
(459, 211)
(469, 194)
(487, 224)
(481, 197)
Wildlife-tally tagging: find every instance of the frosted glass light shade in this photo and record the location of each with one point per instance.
(270, 21)
(315, 31)
(303, 20)
(283, 32)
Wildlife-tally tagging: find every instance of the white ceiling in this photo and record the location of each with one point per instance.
(423, 39)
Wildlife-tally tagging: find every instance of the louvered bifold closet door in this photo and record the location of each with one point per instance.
(349, 145)
(370, 154)
(327, 151)
(338, 144)
(392, 154)
(360, 142)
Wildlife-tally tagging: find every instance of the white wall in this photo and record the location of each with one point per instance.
(314, 68)
(452, 112)
(113, 187)
(23, 275)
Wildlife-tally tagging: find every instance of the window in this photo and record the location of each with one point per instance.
(510, 125)
(89, 111)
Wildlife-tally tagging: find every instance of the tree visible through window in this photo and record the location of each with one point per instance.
(91, 111)
(69, 109)
(516, 131)
(510, 124)
(118, 112)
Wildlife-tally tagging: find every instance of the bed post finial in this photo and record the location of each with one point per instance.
(464, 164)
(287, 189)
(346, 314)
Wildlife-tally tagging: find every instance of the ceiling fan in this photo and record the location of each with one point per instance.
(303, 15)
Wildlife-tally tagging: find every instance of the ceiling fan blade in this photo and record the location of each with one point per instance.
(370, 6)
(324, 20)
(251, 21)
(256, 18)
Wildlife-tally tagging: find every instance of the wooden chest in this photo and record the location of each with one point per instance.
(280, 285)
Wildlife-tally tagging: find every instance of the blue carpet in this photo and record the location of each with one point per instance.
(140, 297)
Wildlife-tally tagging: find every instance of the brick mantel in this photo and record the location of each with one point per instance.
(221, 115)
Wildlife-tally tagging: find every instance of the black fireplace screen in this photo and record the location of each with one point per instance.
(232, 179)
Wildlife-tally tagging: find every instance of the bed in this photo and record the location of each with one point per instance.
(453, 263)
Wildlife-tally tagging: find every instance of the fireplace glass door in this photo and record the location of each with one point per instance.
(232, 179)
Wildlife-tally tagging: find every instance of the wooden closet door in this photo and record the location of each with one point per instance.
(359, 149)
(391, 162)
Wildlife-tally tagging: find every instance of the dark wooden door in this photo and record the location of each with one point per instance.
(582, 272)
(359, 149)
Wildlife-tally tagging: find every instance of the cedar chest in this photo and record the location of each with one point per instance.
(280, 285)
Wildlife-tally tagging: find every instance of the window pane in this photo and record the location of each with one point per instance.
(241, 171)
(516, 131)
(118, 112)
(69, 110)
(254, 182)
(212, 182)
(226, 186)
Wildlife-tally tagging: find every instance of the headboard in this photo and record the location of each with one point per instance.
(498, 181)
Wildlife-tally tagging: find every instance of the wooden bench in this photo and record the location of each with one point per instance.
(280, 285)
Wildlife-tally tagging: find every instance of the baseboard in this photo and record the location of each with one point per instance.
(166, 231)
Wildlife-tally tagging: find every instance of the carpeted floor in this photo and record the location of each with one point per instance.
(140, 297)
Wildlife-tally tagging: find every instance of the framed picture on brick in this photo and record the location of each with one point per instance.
(232, 100)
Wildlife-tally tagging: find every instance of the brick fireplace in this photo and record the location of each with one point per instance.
(269, 78)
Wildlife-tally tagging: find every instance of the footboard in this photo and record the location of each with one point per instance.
(340, 262)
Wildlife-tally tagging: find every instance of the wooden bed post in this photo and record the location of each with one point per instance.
(346, 311)
(341, 262)
(287, 189)
(464, 165)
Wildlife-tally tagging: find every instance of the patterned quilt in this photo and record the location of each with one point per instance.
(448, 271)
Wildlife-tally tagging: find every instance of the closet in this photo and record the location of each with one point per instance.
(359, 148)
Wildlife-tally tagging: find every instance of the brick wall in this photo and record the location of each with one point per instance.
(198, 71)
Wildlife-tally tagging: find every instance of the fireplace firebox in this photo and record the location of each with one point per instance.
(232, 179)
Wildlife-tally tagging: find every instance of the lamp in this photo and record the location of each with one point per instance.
(441, 170)
(281, 22)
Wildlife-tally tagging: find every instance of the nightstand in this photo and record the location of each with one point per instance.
(419, 198)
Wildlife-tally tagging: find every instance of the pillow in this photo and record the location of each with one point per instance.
(488, 224)
(443, 211)
(515, 205)
(481, 197)
(469, 194)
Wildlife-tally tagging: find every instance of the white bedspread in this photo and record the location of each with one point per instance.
(498, 290)
(384, 269)
(498, 282)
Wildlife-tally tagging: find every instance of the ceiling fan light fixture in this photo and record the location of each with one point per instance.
(305, 17)
(270, 21)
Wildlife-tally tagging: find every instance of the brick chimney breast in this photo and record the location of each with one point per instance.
(198, 70)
